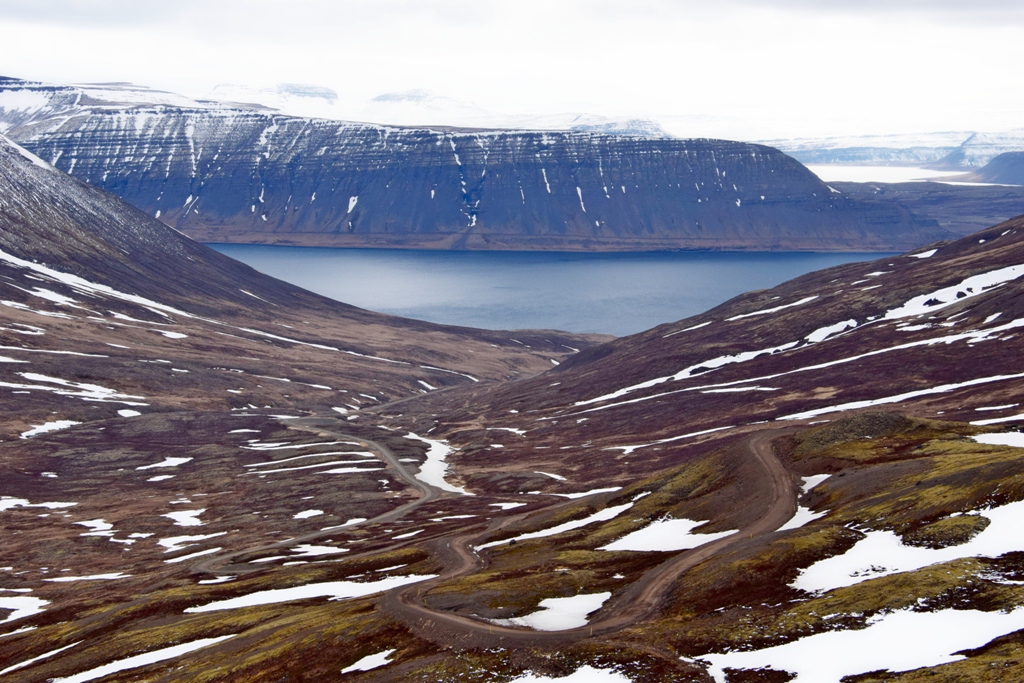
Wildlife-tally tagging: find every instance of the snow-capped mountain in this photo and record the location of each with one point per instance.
(223, 172)
(951, 150)
(418, 107)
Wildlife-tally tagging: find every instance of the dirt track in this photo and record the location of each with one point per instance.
(223, 562)
(456, 553)
(638, 601)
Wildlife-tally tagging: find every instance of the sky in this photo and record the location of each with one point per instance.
(745, 69)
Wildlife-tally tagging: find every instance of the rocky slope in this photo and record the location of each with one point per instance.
(221, 173)
(808, 481)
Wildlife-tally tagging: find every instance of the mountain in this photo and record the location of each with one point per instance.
(418, 107)
(98, 271)
(979, 149)
(206, 474)
(872, 150)
(962, 209)
(948, 151)
(1005, 169)
(221, 173)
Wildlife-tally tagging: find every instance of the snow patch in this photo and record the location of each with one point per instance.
(370, 662)
(334, 590)
(433, 470)
(599, 516)
(48, 427)
(899, 641)
(1015, 439)
(167, 462)
(766, 311)
(665, 535)
(186, 517)
(560, 614)
(947, 296)
(881, 553)
(141, 660)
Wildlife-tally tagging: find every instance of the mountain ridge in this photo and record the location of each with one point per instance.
(228, 175)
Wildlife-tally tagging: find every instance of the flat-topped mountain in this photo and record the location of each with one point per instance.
(222, 173)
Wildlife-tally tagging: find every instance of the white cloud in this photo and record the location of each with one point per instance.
(739, 68)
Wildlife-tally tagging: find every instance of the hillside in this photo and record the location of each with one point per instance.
(209, 475)
(222, 173)
(97, 271)
(1005, 169)
(960, 209)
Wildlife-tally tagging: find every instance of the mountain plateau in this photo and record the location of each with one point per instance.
(221, 173)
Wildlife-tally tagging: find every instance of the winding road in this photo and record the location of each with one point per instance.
(323, 426)
(640, 600)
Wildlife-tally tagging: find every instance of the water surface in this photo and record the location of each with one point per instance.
(611, 293)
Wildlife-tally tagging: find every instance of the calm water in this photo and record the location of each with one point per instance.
(612, 293)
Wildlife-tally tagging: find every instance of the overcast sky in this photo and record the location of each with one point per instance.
(732, 68)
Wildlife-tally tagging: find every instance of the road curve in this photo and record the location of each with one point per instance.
(222, 563)
(640, 600)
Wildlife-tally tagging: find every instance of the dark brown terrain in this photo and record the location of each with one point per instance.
(278, 441)
(959, 209)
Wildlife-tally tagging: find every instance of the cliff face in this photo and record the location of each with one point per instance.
(221, 173)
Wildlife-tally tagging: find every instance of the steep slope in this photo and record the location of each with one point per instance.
(1005, 169)
(221, 173)
(82, 270)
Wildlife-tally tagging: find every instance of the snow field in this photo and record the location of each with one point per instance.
(899, 641)
(881, 553)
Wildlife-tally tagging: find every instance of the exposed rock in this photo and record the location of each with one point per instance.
(221, 173)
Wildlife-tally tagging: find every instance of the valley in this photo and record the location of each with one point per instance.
(211, 475)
